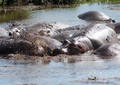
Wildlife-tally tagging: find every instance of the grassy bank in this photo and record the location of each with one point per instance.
(53, 2)
(6, 16)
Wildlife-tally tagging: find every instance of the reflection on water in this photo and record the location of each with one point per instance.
(17, 72)
(58, 73)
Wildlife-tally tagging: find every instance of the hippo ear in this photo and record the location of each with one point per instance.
(96, 44)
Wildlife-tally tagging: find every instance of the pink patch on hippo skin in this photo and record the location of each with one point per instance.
(81, 48)
(75, 49)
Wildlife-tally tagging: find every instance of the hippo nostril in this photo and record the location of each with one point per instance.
(10, 34)
(82, 50)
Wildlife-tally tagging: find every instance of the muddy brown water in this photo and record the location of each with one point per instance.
(88, 70)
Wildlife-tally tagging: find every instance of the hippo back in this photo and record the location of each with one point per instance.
(102, 33)
(94, 16)
(108, 50)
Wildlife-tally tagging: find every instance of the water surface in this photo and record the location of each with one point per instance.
(69, 15)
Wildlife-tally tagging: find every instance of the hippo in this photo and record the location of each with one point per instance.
(71, 32)
(95, 16)
(48, 43)
(34, 45)
(81, 39)
(91, 37)
(108, 51)
(37, 43)
(67, 33)
(46, 29)
(17, 33)
(18, 46)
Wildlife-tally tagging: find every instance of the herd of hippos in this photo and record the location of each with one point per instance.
(101, 37)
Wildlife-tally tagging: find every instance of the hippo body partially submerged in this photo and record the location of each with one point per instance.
(91, 37)
(49, 44)
(40, 41)
(30, 40)
(108, 51)
(46, 29)
(16, 46)
(37, 46)
(95, 16)
(115, 27)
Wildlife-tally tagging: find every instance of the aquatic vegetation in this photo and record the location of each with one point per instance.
(54, 2)
(11, 15)
(61, 2)
(98, 1)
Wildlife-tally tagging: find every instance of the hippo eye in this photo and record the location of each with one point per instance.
(80, 47)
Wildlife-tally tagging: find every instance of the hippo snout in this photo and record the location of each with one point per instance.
(75, 49)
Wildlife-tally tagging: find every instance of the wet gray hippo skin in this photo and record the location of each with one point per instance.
(67, 33)
(28, 42)
(74, 31)
(115, 26)
(48, 44)
(17, 46)
(81, 40)
(91, 37)
(108, 51)
(36, 46)
(95, 16)
(46, 29)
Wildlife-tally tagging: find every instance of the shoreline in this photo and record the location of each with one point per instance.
(38, 7)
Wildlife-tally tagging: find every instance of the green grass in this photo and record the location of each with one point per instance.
(59, 2)
(101, 1)
(13, 15)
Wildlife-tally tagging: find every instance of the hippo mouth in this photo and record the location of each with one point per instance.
(74, 49)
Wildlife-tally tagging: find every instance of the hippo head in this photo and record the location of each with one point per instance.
(75, 49)
(16, 32)
(80, 44)
(75, 46)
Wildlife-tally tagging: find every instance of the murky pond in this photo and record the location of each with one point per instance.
(86, 72)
